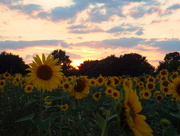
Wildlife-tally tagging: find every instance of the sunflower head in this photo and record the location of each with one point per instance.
(175, 88)
(115, 94)
(64, 107)
(97, 96)
(28, 88)
(80, 88)
(2, 83)
(44, 73)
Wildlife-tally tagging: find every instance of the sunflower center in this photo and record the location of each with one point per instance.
(178, 89)
(44, 72)
(150, 86)
(66, 86)
(80, 86)
(29, 88)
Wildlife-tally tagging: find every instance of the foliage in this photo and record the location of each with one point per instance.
(129, 64)
(12, 63)
(64, 60)
(171, 62)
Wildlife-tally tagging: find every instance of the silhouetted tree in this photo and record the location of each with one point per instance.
(88, 68)
(129, 64)
(12, 63)
(171, 62)
(134, 64)
(64, 60)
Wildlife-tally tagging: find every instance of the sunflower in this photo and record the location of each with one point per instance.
(164, 72)
(150, 86)
(115, 94)
(117, 81)
(146, 94)
(2, 83)
(28, 88)
(100, 80)
(132, 108)
(109, 91)
(6, 75)
(44, 73)
(97, 96)
(174, 75)
(47, 102)
(175, 88)
(150, 79)
(159, 97)
(164, 83)
(66, 86)
(64, 107)
(165, 90)
(92, 82)
(80, 88)
(109, 82)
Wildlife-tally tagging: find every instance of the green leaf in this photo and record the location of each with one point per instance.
(28, 117)
(170, 132)
(29, 102)
(53, 98)
(101, 121)
(176, 115)
(43, 124)
(106, 112)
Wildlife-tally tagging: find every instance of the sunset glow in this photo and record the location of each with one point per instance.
(90, 30)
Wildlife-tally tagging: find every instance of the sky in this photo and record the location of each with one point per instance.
(90, 29)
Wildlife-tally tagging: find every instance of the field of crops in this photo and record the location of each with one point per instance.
(47, 103)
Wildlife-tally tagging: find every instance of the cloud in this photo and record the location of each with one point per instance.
(28, 9)
(169, 45)
(173, 7)
(23, 44)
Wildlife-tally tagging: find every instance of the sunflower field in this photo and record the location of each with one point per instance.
(46, 103)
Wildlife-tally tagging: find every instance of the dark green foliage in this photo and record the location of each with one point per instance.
(12, 63)
(64, 60)
(171, 62)
(129, 64)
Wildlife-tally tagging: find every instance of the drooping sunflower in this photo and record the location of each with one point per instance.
(109, 81)
(64, 107)
(45, 74)
(80, 88)
(175, 88)
(28, 88)
(97, 96)
(135, 121)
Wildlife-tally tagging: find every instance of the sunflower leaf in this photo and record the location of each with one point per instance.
(100, 121)
(170, 132)
(28, 117)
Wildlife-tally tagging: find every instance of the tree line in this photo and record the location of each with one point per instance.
(132, 64)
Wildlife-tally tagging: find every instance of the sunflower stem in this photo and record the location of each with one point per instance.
(41, 109)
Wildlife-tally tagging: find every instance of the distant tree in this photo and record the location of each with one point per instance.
(64, 60)
(88, 68)
(12, 63)
(171, 62)
(134, 64)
